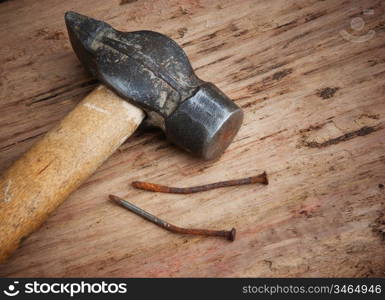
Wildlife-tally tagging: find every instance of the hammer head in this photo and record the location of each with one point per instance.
(151, 71)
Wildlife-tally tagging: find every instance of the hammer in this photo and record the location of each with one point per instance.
(145, 75)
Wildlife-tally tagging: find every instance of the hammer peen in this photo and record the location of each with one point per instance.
(145, 75)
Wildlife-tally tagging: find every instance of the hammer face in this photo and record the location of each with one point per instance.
(206, 123)
(151, 71)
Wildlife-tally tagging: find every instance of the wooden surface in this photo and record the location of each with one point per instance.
(313, 97)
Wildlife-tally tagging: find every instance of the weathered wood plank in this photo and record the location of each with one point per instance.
(314, 120)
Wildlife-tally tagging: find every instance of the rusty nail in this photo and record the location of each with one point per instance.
(153, 187)
(228, 234)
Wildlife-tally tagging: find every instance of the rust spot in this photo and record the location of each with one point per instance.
(328, 92)
(153, 187)
(227, 234)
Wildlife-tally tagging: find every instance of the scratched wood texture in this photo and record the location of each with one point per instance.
(310, 77)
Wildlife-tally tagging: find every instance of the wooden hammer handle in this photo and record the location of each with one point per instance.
(64, 158)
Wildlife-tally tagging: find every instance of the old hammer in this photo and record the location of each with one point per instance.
(145, 75)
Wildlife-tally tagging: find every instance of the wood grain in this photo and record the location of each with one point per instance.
(314, 120)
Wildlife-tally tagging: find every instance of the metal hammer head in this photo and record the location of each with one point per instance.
(151, 71)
